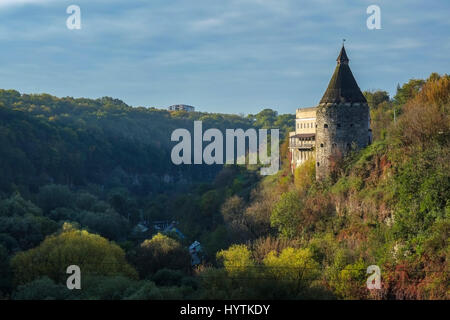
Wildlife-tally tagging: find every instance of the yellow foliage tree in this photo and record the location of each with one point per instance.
(160, 252)
(92, 253)
(304, 175)
(236, 259)
(292, 264)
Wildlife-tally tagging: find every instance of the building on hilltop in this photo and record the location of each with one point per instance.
(302, 141)
(340, 123)
(178, 107)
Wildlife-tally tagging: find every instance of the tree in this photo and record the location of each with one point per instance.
(426, 116)
(92, 253)
(55, 196)
(18, 206)
(42, 289)
(305, 175)
(22, 221)
(350, 282)
(232, 209)
(108, 224)
(292, 264)
(286, 214)
(210, 202)
(161, 252)
(408, 91)
(236, 259)
(375, 98)
(265, 118)
(5, 272)
(233, 214)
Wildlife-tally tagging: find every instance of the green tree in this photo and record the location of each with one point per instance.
(286, 214)
(375, 98)
(42, 289)
(5, 272)
(55, 196)
(233, 209)
(22, 221)
(408, 91)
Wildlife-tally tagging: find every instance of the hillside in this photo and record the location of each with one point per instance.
(80, 174)
(77, 142)
(387, 205)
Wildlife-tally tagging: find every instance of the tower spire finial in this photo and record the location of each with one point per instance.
(342, 58)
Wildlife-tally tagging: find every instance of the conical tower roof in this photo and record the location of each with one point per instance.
(343, 87)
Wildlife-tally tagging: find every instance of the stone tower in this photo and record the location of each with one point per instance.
(342, 118)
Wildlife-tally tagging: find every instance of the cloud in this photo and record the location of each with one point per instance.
(10, 3)
(233, 54)
(406, 43)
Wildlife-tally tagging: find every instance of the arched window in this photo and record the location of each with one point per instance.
(321, 145)
(325, 125)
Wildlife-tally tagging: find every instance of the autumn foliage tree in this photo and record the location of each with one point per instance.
(161, 252)
(92, 253)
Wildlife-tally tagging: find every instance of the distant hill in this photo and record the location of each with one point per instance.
(45, 139)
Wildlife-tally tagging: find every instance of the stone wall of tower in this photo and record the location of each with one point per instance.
(340, 128)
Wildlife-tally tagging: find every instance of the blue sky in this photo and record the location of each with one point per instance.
(230, 56)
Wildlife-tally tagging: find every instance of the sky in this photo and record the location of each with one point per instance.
(227, 56)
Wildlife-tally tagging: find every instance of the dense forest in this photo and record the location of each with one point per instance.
(84, 181)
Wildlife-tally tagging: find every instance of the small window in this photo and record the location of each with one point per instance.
(321, 145)
(325, 125)
(318, 164)
(338, 125)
